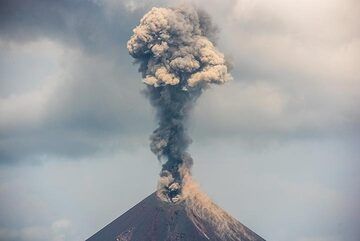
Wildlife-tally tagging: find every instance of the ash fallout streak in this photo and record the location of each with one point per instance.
(178, 61)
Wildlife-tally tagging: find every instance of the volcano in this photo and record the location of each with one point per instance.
(155, 220)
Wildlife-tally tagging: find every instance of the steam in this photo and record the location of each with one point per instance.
(200, 208)
(178, 61)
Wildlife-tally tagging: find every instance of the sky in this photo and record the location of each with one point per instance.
(277, 147)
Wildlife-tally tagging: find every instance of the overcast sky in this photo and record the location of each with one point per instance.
(277, 147)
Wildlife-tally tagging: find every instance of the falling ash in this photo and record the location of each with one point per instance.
(178, 61)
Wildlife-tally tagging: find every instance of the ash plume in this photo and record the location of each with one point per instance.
(178, 61)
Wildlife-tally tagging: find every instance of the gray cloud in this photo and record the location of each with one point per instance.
(91, 97)
(68, 91)
(293, 76)
(85, 110)
(86, 24)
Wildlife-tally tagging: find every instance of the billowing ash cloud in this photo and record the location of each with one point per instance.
(178, 61)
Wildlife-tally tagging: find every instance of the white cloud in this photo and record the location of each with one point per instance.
(60, 230)
(60, 225)
(295, 67)
(321, 238)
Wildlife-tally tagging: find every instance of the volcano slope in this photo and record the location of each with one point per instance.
(155, 220)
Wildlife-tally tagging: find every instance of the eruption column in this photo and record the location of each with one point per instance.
(178, 61)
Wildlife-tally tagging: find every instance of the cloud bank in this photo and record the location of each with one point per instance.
(289, 117)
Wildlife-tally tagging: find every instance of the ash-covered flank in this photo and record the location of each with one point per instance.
(155, 220)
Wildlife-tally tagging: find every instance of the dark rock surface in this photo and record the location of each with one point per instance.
(155, 220)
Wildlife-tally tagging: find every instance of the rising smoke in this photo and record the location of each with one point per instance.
(178, 61)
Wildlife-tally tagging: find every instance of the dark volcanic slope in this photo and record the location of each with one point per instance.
(155, 220)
